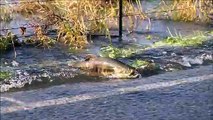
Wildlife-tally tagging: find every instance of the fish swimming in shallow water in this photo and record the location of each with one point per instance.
(106, 67)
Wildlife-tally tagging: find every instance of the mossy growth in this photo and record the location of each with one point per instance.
(5, 75)
(114, 52)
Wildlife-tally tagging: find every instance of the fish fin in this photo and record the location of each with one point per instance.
(89, 57)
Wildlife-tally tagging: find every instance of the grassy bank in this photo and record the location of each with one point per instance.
(186, 10)
(171, 41)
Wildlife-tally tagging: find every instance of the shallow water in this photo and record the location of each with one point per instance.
(39, 67)
(181, 95)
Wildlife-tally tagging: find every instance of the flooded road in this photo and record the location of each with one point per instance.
(37, 67)
(43, 87)
(183, 95)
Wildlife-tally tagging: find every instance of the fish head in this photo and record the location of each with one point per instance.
(126, 73)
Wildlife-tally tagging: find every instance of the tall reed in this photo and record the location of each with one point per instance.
(76, 19)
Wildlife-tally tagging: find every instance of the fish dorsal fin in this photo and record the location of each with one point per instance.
(90, 57)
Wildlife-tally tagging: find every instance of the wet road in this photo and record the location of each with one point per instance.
(182, 95)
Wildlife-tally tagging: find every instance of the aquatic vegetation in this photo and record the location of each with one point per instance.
(210, 32)
(173, 40)
(139, 63)
(145, 67)
(179, 40)
(7, 41)
(4, 43)
(149, 37)
(186, 10)
(4, 75)
(41, 38)
(76, 19)
(115, 52)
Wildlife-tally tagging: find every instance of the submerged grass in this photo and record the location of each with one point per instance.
(173, 40)
(139, 63)
(114, 52)
(145, 67)
(4, 75)
(7, 41)
(179, 40)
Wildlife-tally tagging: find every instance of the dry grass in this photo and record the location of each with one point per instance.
(5, 14)
(76, 19)
(187, 10)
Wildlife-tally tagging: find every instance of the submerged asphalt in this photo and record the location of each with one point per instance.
(181, 95)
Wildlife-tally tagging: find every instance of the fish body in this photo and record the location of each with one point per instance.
(106, 67)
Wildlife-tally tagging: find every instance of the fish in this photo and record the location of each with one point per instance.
(106, 67)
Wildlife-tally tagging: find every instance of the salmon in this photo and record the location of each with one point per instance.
(106, 67)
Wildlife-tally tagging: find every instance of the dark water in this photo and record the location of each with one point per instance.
(38, 67)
